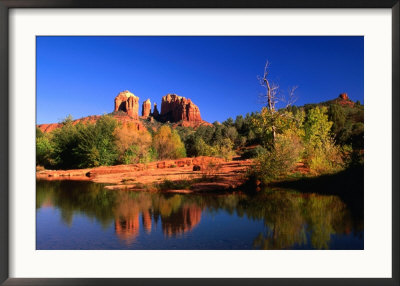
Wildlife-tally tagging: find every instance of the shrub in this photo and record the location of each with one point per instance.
(270, 165)
(326, 159)
(254, 152)
(44, 150)
(201, 148)
(210, 170)
(224, 149)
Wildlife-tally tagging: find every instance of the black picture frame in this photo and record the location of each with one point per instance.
(6, 5)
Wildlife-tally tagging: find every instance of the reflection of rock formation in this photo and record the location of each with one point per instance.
(127, 102)
(146, 219)
(126, 219)
(182, 221)
(127, 229)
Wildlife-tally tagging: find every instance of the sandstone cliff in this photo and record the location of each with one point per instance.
(175, 108)
(155, 113)
(127, 102)
(146, 108)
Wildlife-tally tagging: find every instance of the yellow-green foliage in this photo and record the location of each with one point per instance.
(203, 149)
(318, 127)
(282, 159)
(44, 150)
(267, 121)
(168, 144)
(134, 146)
(322, 155)
(295, 140)
(325, 159)
(223, 148)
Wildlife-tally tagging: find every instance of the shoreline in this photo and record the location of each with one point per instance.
(186, 175)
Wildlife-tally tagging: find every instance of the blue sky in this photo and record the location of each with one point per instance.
(82, 75)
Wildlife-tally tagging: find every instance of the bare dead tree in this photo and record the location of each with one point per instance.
(273, 95)
(291, 98)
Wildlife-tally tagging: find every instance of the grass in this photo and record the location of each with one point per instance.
(128, 181)
(175, 185)
(40, 168)
(167, 185)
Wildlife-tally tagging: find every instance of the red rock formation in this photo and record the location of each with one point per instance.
(344, 100)
(175, 108)
(193, 124)
(46, 128)
(127, 102)
(344, 96)
(155, 111)
(146, 108)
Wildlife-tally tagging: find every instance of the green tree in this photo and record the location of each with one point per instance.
(65, 140)
(96, 143)
(206, 132)
(239, 123)
(337, 115)
(228, 122)
(231, 134)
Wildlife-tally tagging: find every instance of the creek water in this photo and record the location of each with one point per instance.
(85, 215)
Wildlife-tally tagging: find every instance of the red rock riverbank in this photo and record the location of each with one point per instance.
(206, 173)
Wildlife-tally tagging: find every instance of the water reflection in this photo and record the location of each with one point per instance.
(289, 219)
(182, 221)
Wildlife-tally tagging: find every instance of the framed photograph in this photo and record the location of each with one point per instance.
(216, 145)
